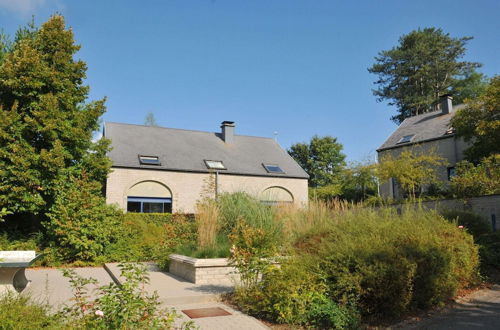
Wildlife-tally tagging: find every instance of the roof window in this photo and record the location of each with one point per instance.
(449, 131)
(215, 164)
(406, 139)
(272, 168)
(149, 160)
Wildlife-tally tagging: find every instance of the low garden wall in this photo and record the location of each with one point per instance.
(203, 271)
(486, 206)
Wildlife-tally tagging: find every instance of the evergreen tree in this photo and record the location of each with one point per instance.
(45, 125)
(425, 65)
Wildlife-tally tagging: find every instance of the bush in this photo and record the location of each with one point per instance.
(150, 236)
(125, 306)
(80, 222)
(18, 312)
(390, 264)
(293, 295)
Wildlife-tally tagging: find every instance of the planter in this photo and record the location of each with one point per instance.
(203, 271)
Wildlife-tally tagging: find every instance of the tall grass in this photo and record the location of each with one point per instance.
(207, 216)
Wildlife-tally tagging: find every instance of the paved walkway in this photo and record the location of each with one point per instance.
(480, 310)
(48, 286)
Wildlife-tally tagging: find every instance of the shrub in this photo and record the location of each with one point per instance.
(150, 236)
(80, 222)
(18, 312)
(389, 264)
(293, 295)
(125, 306)
(477, 180)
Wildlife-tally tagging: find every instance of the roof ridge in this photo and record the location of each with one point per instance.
(183, 129)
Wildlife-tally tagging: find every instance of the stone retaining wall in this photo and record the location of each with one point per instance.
(203, 271)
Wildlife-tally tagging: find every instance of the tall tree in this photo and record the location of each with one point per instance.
(150, 120)
(45, 125)
(322, 159)
(425, 65)
(479, 123)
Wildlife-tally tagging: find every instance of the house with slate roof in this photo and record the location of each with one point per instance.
(157, 169)
(424, 133)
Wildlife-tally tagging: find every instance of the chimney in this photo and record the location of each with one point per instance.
(227, 131)
(445, 103)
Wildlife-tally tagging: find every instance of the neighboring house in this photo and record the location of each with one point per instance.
(423, 133)
(158, 169)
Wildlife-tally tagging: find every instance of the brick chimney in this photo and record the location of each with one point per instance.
(227, 131)
(445, 103)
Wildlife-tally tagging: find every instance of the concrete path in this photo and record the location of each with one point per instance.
(174, 290)
(480, 310)
(48, 286)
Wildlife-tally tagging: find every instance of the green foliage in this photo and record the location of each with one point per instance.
(424, 65)
(125, 306)
(479, 123)
(389, 264)
(80, 222)
(292, 295)
(469, 85)
(482, 179)
(322, 159)
(252, 251)
(410, 169)
(45, 125)
(221, 248)
(150, 237)
(18, 312)
(473, 223)
(4, 212)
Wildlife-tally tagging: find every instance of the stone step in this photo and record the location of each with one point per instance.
(173, 290)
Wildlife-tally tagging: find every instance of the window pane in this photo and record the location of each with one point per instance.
(273, 168)
(134, 207)
(149, 160)
(167, 207)
(148, 207)
(215, 164)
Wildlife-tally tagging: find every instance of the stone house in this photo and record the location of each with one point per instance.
(424, 133)
(157, 169)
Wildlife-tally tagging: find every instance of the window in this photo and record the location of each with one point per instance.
(406, 139)
(215, 164)
(451, 173)
(271, 168)
(149, 160)
(449, 131)
(149, 205)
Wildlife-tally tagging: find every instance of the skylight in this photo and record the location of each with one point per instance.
(450, 130)
(215, 164)
(272, 168)
(406, 138)
(149, 160)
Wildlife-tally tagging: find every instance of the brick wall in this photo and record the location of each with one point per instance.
(187, 188)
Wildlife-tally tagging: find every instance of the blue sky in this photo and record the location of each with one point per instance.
(298, 68)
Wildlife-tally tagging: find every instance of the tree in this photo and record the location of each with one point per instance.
(483, 179)
(410, 169)
(322, 159)
(150, 120)
(359, 182)
(45, 125)
(422, 67)
(479, 123)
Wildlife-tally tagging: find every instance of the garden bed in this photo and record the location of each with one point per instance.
(215, 271)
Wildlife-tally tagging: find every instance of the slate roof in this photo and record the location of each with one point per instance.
(186, 150)
(424, 127)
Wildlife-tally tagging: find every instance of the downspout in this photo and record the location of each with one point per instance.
(216, 185)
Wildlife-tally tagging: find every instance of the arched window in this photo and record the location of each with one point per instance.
(149, 197)
(276, 195)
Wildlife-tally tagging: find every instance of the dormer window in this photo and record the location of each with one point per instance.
(406, 139)
(215, 164)
(449, 131)
(273, 168)
(149, 160)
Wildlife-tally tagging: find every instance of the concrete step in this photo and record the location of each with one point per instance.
(171, 289)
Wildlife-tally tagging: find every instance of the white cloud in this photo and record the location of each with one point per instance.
(22, 7)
